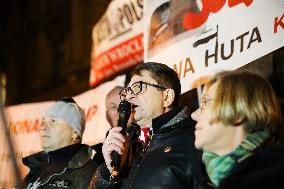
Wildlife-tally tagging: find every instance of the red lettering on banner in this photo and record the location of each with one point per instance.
(25, 126)
(29, 126)
(91, 112)
(193, 21)
(117, 58)
(232, 3)
(33, 126)
(279, 22)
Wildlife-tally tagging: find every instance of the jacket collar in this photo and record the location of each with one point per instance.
(77, 155)
(81, 158)
(169, 119)
(63, 154)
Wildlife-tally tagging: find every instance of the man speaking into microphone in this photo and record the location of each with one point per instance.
(162, 156)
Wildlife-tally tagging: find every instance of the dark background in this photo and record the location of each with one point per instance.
(45, 47)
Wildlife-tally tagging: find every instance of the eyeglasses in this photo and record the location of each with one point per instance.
(204, 102)
(137, 87)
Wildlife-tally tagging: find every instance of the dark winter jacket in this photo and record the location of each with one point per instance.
(167, 161)
(68, 167)
(262, 170)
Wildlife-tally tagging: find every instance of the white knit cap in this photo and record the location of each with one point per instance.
(71, 113)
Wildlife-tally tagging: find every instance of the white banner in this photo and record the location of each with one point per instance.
(199, 38)
(24, 123)
(117, 40)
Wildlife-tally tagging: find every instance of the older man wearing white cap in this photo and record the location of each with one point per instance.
(64, 161)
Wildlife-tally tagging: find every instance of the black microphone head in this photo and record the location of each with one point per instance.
(124, 107)
(124, 111)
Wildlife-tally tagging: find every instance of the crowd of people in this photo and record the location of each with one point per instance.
(233, 140)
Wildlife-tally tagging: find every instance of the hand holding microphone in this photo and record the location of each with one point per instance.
(124, 111)
(114, 145)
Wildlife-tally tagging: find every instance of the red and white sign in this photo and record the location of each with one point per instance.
(199, 38)
(117, 40)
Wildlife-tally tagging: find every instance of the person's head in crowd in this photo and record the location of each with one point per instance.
(62, 125)
(154, 89)
(111, 103)
(237, 105)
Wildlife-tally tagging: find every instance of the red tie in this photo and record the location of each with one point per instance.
(144, 136)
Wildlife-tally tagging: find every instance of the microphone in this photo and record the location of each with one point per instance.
(124, 111)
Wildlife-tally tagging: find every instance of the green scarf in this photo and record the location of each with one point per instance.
(218, 167)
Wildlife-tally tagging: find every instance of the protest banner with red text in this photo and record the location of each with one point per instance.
(199, 38)
(117, 40)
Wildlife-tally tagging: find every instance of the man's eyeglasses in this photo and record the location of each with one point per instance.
(137, 87)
